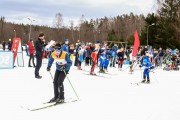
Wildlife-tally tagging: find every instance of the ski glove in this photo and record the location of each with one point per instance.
(48, 69)
(151, 67)
(67, 71)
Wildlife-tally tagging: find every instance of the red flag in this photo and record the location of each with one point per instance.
(136, 44)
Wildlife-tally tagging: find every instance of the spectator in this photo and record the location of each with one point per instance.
(39, 47)
(31, 50)
(9, 45)
(4, 45)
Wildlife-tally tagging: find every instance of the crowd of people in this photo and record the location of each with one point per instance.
(95, 54)
(103, 56)
(7, 45)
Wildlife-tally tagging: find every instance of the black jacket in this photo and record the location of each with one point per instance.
(120, 55)
(161, 53)
(143, 52)
(39, 47)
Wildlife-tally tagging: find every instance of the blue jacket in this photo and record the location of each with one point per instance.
(102, 58)
(60, 67)
(65, 48)
(108, 53)
(114, 50)
(147, 64)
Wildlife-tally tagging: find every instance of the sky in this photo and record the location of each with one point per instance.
(43, 12)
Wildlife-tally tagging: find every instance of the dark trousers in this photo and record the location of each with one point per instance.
(31, 57)
(120, 64)
(58, 84)
(88, 61)
(38, 64)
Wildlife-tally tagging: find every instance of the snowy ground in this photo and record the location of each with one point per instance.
(111, 97)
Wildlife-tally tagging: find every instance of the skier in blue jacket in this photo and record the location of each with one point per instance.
(63, 64)
(147, 68)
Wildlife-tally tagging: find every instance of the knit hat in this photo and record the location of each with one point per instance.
(57, 46)
(66, 40)
(97, 41)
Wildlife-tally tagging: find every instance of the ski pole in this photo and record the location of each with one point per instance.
(139, 60)
(134, 63)
(51, 75)
(70, 84)
(141, 73)
(154, 76)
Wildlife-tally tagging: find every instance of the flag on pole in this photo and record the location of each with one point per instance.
(136, 44)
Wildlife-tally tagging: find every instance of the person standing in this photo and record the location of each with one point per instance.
(65, 46)
(94, 56)
(161, 55)
(63, 64)
(88, 56)
(9, 45)
(31, 50)
(120, 56)
(39, 48)
(114, 53)
(147, 68)
(4, 45)
(78, 57)
(71, 52)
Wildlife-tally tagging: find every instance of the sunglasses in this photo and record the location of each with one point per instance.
(58, 50)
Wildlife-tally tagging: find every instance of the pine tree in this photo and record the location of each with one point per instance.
(168, 35)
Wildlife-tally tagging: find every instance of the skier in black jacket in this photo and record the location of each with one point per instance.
(120, 55)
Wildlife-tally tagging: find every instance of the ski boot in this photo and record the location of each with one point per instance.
(144, 79)
(60, 100)
(148, 81)
(101, 70)
(92, 73)
(105, 69)
(53, 100)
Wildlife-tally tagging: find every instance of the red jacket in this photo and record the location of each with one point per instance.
(31, 48)
(94, 56)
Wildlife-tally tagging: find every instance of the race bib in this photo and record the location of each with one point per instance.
(61, 62)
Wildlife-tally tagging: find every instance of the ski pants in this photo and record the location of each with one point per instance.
(31, 57)
(58, 84)
(120, 63)
(146, 73)
(93, 66)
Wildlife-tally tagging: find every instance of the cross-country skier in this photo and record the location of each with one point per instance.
(63, 64)
(102, 58)
(148, 66)
(94, 56)
(120, 55)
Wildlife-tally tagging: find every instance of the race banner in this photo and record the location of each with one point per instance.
(15, 46)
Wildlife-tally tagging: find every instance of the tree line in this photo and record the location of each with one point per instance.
(160, 29)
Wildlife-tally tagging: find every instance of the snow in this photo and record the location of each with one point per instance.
(111, 97)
